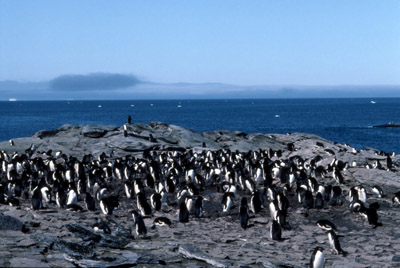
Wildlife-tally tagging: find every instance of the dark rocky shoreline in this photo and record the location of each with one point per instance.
(56, 237)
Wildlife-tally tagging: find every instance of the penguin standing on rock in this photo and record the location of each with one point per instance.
(335, 244)
(317, 258)
(198, 207)
(37, 199)
(244, 213)
(90, 203)
(183, 213)
(140, 227)
(326, 225)
(276, 231)
(227, 202)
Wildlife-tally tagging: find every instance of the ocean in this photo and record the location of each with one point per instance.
(341, 120)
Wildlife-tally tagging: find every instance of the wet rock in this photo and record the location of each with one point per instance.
(192, 252)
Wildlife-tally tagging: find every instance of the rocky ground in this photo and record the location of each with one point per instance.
(55, 237)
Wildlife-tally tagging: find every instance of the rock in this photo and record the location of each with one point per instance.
(26, 262)
(80, 249)
(91, 131)
(101, 239)
(266, 264)
(396, 258)
(192, 252)
(11, 223)
(105, 262)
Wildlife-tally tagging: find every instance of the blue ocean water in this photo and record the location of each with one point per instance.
(341, 120)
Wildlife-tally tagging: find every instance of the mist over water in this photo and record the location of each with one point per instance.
(340, 120)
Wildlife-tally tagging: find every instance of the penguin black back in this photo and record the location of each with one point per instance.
(90, 203)
(244, 213)
(183, 213)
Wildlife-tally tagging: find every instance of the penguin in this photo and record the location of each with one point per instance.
(12, 143)
(317, 258)
(276, 231)
(308, 200)
(353, 194)
(319, 201)
(101, 225)
(183, 213)
(198, 207)
(227, 202)
(125, 131)
(189, 204)
(45, 195)
(326, 225)
(244, 213)
(161, 221)
(389, 163)
(357, 206)
(396, 199)
(337, 175)
(155, 201)
(336, 196)
(371, 214)
(376, 189)
(61, 198)
(142, 204)
(255, 202)
(273, 209)
(90, 203)
(362, 194)
(72, 197)
(128, 189)
(106, 206)
(281, 219)
(36, 199)
(138, 221)
(335, 244)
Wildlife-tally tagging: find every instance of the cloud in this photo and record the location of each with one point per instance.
(93, 81)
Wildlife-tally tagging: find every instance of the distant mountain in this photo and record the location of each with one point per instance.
(150, 90)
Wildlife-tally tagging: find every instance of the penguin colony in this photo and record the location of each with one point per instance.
(250, 183)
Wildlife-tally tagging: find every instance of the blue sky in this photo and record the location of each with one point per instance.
(234, 42)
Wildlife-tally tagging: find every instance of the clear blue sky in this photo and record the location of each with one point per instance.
(238, 42)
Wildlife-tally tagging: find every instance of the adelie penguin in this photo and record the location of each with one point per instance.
(155, 200)
(244, 213)
(36, 199)
(317, 258)
(376, 189)
(371, 214)
(90, 203)
(140, 227)
(142, 204)
(227, 202)
(198, 207)
(255, 202)
(276, 231)
(319, 201)
(183, 213)
(326, 225)
(396, 199)
(161, 221)
(335, 244)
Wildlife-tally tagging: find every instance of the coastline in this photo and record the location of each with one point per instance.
(217, 237)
